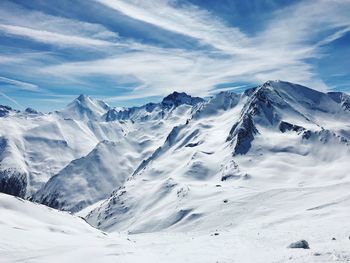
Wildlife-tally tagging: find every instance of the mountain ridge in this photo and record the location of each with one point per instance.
(180, 126)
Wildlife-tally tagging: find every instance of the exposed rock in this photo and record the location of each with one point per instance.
(176, 99)
(13, 183)
(300, 244)
(286, 126)
(242, 135)
(31, 111)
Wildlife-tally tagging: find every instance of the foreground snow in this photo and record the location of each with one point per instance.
(260, 232)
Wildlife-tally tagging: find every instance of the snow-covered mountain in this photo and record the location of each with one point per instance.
(277, 135)
(235, 173)
(71, 146)
(91, 178)
(36, 147)
(155, 111)
(78, 141)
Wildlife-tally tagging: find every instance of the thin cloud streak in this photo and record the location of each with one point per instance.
(10, 99)
(52, 38)
(19, 84)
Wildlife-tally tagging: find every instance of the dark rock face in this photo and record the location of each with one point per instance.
(300, 244)
(286, 126)
(13, 183)
(176, 99)
(4, 110)
(242, 135)
(260, 108)
(31, 111)
(113, 115)
(54, 200)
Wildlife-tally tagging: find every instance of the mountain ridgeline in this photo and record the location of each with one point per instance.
(127, 164)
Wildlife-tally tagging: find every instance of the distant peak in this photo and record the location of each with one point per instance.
(176, 95)
(4, 110)
(4, 107)
(84, 108)
(82, 97)
(88, 101)
(31, 111)
(179, 98)
(272, 82)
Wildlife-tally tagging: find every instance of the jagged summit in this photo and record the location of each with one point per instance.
(179, 98)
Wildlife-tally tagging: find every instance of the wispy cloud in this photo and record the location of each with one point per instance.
(54, 30)
(52, 37)
(10, 99)
(188, 20)
(278, 52)
(223, 53)
(10, 59)
(19, 84)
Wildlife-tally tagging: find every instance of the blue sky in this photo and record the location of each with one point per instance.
(128, 52)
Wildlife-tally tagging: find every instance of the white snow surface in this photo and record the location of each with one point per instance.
(236, 178)
(260, 231)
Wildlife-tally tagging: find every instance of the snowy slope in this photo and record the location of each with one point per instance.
(184, 179)
(93, 177)
(259, 231)
(36, 146)
(36, 233)
(278, 135)
(40, 146)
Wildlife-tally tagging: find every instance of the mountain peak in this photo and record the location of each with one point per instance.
(31, 111)
(179, 98)
(5, 110)
(290, 87)
(82, 97)
(84, 107)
